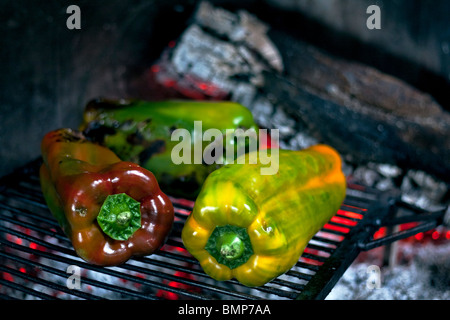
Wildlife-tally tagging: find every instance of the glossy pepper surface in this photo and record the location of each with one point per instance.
(254, 227)
(141, 132)
(110, 209)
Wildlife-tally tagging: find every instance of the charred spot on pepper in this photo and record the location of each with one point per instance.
(266, 227)
(135, 133)
(143, 124)
(100, 104)
(96, 131)
(81, 210)
(70, 136)
(126, 126)
(140, 135)
(155, 147)
(172, 129)
(135, 138)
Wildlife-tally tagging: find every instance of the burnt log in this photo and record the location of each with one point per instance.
(367, 115)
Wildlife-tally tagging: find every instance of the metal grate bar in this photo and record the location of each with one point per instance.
(26, 290)
(85, 280)
(70, 261)
(49, 284)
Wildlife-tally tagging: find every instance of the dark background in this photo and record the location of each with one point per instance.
(48, 73)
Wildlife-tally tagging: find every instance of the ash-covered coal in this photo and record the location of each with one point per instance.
(425, 277)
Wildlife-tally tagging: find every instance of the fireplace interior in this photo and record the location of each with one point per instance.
(312, 70)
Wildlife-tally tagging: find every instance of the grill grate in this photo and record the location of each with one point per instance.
(38, 262)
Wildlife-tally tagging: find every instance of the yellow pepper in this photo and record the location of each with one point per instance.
(254, 227)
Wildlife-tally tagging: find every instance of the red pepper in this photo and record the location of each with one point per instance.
(110, 209)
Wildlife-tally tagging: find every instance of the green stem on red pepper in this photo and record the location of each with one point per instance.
(119, 216)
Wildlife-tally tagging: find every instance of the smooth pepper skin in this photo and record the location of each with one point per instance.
(277, 214)
(77, 176)
(141, 131)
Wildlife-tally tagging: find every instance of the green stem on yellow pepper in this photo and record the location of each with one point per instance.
(230, 245)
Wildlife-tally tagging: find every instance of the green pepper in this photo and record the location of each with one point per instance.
(141, 132)
(110, 209)
(254, 227)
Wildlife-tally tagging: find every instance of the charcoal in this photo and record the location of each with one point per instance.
(241, 27)
(262, 110)
(388, 171)
(216, 61)
(385, 184)
(420, 188)
(284, 123)
(434, 188)
(302, 140)
(366, 176)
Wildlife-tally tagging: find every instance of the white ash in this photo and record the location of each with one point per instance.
(419, 184)
(230, 51)
(425, 277)
(388, 170)
(241, 27)
(367, 176)
(285, 124)
(262, 110)
(302, 140)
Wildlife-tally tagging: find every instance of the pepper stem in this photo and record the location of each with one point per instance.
(123, 217)
(119, 216)
(230, 245)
